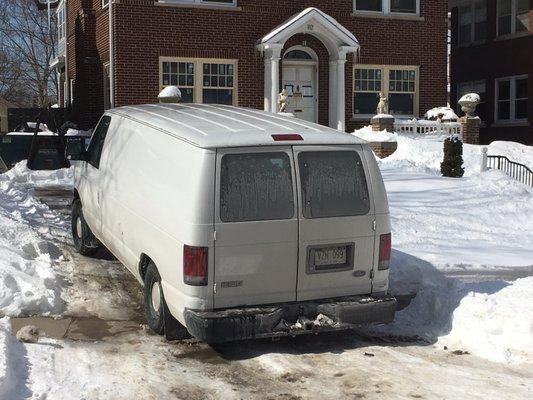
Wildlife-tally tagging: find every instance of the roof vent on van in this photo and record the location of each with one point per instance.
(170, 94)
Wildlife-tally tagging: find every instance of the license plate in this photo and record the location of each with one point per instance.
(330, 256)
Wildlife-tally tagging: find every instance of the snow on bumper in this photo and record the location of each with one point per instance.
(289, 319)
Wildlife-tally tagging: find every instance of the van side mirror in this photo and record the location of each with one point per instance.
(75, 150)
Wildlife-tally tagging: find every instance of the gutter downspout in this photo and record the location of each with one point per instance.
(111, 58)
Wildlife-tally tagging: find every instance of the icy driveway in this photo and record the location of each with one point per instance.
(434, 233)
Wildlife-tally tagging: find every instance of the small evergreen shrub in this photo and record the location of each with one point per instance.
(452, 165)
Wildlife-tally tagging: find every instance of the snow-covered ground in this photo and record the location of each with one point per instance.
(464, 245)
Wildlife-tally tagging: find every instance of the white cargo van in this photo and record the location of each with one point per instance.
(239, 223)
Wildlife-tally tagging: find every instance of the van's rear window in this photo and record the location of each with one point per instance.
(256, 187)
(333, 184)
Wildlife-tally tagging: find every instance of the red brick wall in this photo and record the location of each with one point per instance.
(494, 59)
(144, 32)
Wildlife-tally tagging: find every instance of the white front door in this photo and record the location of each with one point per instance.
(300, 83)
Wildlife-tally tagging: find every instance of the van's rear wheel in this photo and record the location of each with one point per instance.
(157, 314)
(84, 240)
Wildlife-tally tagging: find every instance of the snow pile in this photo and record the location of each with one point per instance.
(448, 114)
(20, 175)
(516, 152)
(29, 231)
(369, 135)
(459, 244)
(490, 319)
(425, 153)
(499, 325)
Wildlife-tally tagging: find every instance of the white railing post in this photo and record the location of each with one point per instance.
(484, 159)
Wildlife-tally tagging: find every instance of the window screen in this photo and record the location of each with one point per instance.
(256, 187)
(333, 184)
(97, 141)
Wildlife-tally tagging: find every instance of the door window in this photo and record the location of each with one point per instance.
(256, 187)
(94, 151)
(333, 184)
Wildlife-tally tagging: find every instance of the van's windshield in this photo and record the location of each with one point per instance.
(333, 184)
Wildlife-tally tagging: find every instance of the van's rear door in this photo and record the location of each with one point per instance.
(256, 227)
(336, 233)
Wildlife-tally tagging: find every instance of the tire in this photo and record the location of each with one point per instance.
(84, 241)
(157, 314)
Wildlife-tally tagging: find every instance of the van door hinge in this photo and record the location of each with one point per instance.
(214, 235)
(214, 288)
(374, 225)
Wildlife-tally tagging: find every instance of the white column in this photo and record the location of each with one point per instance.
(341, 92)
(268, 85)
(333, 94)
(274, 76)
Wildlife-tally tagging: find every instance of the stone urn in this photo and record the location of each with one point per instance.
(469, 103)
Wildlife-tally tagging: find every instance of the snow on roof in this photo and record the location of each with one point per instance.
(212, 126)
(349, 37)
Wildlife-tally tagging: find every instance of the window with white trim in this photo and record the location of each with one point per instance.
(513, 16)
(399, 83)
(388, 6)
(208, 81)
(478, 87)
(105, 3)
(511, 99)
(203, 2)
(472, 22)
(61, 22)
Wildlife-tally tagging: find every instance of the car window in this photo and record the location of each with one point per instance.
(333, 184)
(94, 151)
(256, 187)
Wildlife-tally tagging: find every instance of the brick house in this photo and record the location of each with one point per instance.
(492, 54)
(244, 52)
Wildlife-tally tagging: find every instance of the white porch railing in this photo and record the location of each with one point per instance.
(425, 127)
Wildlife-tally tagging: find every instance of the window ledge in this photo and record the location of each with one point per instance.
(512, 36)
(509, 124)
(178, 4)
(380, 15)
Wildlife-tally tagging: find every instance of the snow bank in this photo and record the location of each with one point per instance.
(425, 153)
(29, 234)
(459, 244)
(21, 175)
(497, 326)
(369, 135)
(490, 319)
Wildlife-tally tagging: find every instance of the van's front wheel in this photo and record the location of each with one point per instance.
(157, 313)
(84, 240)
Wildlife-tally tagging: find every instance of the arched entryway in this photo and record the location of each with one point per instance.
(299, 78)
(339, 42)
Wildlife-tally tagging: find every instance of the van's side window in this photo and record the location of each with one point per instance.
(94, 151)
(256, 187)
(333, 184)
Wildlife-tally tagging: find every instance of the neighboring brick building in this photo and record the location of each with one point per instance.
(492, 54)
(229, 51)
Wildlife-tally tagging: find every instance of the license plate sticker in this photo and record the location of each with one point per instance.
(330, 256)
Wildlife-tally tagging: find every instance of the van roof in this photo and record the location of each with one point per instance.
(215, 126)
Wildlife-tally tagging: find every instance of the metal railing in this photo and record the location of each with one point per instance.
(425, 127)
(515, 170)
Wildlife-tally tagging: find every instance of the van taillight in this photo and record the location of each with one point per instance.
(384, 251)
(195, 265)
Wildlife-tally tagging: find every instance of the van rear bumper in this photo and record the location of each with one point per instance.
(290, 319)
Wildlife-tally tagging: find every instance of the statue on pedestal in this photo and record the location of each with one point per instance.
(383, 105)
(282, 101)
